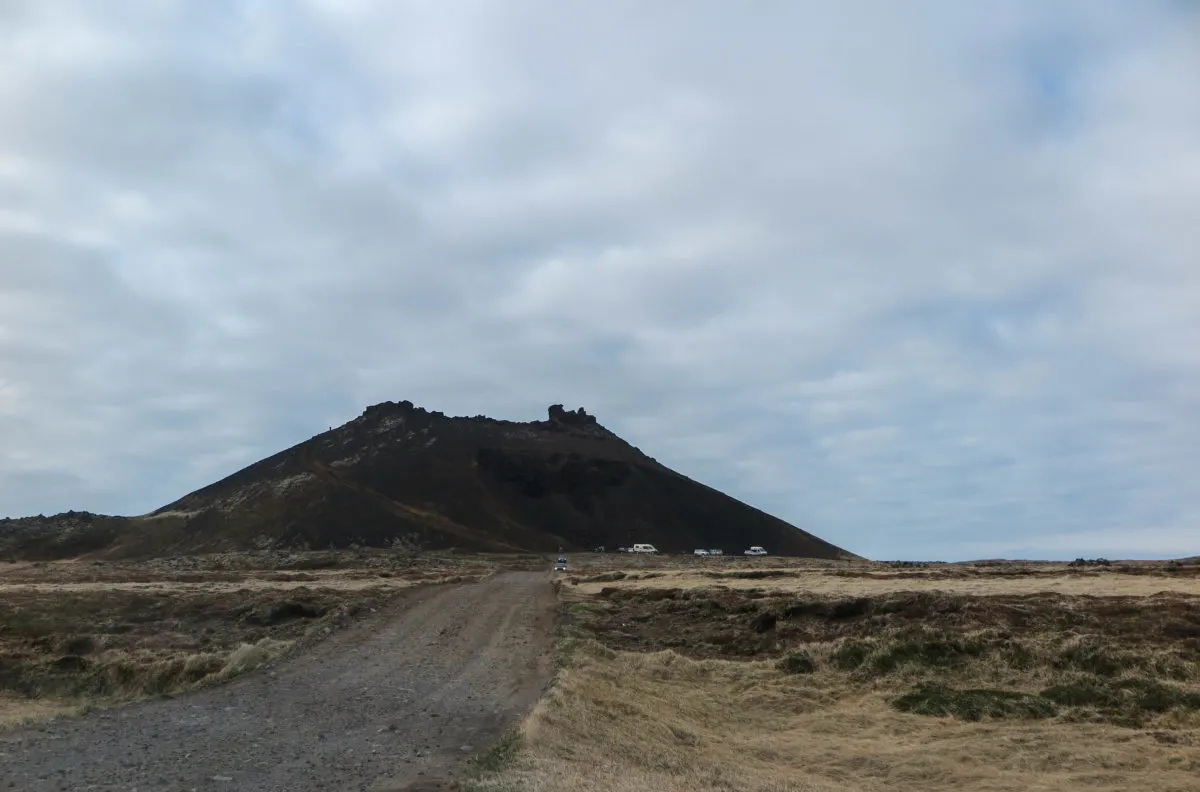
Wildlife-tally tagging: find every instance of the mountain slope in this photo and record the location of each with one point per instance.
(402, 475)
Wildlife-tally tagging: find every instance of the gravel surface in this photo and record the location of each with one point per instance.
(400, 702)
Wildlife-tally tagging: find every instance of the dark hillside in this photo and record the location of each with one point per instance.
(402, 475)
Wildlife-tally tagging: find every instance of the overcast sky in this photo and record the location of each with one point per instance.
(922, 278)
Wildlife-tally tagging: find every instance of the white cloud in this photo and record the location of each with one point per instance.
(918, 278)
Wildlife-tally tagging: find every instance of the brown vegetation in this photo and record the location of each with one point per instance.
(90, 634)
(860, 578)
(732, 676)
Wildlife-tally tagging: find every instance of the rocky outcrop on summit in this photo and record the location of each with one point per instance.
(399, 475)
(577, 418)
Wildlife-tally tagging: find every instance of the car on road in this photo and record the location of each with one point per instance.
(756, 551)
(560, 565)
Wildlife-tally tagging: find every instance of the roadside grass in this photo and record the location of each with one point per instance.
(502, 754)
(20, 711)
(771, 689)
(486, 770)
(77, 635)
(624, 721)
(116, 676)
(61, 652)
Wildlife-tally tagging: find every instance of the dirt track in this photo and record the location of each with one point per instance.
(398, 702)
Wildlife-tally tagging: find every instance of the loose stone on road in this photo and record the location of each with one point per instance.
(399, 702)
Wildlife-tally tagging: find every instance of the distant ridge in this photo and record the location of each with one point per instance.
(399, 475)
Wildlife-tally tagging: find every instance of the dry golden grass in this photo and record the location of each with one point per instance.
(18, 711)
(77, 635)
(827, 582)
(620, 722)
(329, 581)
(720, 713)
(253, 567)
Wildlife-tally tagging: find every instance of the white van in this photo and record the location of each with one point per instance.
(756, 550)
(644, 548)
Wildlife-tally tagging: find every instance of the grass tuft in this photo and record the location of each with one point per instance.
(919, 652)
(501, 755)
(1095, 658)
(1127, 701)
(973, 704)
(797, 663)
(851, 655)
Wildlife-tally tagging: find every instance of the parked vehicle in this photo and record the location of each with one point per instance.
(701, 552)
(716, 551)
(644, 548)
(756, 551)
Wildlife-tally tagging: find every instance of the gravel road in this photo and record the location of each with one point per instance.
(399, 702)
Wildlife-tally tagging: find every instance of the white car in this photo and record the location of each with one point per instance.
(756, 551)
(701, 552)
(644, 548)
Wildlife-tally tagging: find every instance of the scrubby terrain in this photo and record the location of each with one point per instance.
(675, 673)
(401, 476)
(79, 635)
(757, 675)
(400, 700)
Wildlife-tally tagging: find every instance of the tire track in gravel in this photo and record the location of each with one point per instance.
(401, 701)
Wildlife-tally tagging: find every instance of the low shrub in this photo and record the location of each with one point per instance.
(1094, 658)
(920, 651)
(851, 655)
(797, 663)
(974, 704)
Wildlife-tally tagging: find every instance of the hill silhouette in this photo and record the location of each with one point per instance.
(399, 475)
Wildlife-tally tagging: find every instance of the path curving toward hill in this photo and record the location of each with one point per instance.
(399, 702)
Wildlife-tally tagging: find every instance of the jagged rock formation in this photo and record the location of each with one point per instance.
(401, 475)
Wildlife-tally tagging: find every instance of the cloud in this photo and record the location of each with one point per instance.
(920, 280)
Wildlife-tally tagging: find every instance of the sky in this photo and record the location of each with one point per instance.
(921, 278)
